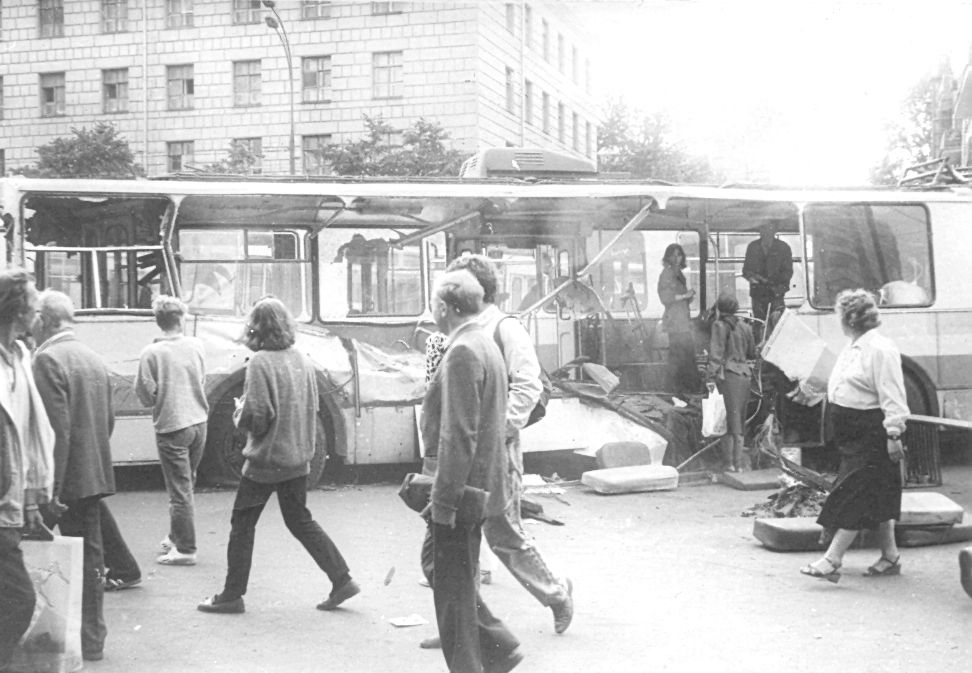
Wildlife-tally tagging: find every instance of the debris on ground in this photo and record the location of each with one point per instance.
(793, 500)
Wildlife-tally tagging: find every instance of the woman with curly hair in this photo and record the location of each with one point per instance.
(866, 397)
(279, 412)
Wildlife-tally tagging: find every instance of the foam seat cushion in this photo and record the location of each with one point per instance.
(633, 479)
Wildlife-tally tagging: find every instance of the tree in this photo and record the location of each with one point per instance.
(239, 160)
(97, 153)
(644, 147)
(909, 136)
(422, 152)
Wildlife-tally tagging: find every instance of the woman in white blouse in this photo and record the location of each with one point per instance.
(867, 401)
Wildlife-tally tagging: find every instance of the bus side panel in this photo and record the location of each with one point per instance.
(382, 435)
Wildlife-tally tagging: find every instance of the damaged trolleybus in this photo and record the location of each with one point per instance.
(578, 259)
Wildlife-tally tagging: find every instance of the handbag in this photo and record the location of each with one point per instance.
(714, 414)
(416, 492)
(52, 642)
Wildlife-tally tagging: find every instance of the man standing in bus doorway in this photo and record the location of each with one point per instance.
(171, 377)
(74, 384)
(26, 457)
(504, 532)
(768, 268)
(463, 425)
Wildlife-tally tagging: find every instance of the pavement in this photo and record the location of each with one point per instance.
(663, 581)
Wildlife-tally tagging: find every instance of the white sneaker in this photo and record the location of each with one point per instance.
(165, 545)
(174, 557)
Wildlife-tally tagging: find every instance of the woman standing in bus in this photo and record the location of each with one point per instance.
(278, 410)
(731, 348)
(866, 394)
(676, 296)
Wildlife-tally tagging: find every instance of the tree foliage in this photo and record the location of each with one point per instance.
(423, 151)
(96, 153)
(239, 160)
(910, 135)
(641, 144)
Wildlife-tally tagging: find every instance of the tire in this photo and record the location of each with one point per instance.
(222, 461)
(920, 395)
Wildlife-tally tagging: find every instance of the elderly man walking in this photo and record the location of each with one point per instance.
(74, 384)
(26, 457)
(171, 378)
(463, 421)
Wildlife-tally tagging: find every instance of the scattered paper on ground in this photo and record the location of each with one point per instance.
(413, 619)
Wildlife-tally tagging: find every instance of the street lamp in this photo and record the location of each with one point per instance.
(277, 24)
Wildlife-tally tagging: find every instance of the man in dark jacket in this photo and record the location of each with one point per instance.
(464, 424)
(768, 268)
(73, 382)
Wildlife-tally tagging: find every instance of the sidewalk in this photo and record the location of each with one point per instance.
(667, 581)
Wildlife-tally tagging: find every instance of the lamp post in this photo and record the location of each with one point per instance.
(277, 24)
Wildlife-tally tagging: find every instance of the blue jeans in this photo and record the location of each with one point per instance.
(251, 497)
(179, 454)
(83, 519)
(119, 562)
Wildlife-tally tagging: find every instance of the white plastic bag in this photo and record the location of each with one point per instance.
(713, 414)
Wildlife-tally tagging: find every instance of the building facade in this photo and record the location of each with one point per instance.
(182, 79)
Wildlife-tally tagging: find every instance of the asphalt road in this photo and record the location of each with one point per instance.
(669, 581)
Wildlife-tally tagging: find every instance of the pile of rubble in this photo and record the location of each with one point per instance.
(794, 499)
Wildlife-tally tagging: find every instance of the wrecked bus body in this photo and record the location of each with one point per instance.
(578, 261)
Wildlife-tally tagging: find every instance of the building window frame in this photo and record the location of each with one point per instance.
(386, 8)
(545, 111)
(575, 131)
(510, 9)
(528, 26)
(545, 40)
(179, 14)
(247, 12)
(255, 147)
(52, 90)
(561, 123)
(179, 154)
(114, 16)
(387, 74)
(247, 83)
(312, 153)
(561, 55)
(114, 90)
(50, 18)
(180, 86)
(510, 91)
(528, 102)
(315, 79)
(315, 9)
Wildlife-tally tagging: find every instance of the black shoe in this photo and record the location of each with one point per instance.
(339, 595)
(506, 664)
(563, 611)
(432, 643)
(115, 584)
(218, 605)
(93, 656)
(965, 569)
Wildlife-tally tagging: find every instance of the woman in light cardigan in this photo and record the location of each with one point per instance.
(866, 397)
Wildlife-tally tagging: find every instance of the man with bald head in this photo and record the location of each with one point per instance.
(463, 424)
(74, 385)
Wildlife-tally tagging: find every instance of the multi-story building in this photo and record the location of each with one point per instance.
(182, 79)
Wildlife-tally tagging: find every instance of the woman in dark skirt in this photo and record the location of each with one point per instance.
(867, 400)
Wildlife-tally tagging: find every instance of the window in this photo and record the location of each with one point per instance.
(528, 102)
(114, 16)
(315, 9)
(561, 123)
(180, 155)
(884, 248)
(588, 147)
(587, 75)
(362, 273)
(254, 148)
(575, 132)
(573, 64)
(114, 90)
(52, 94)
(511, 18)
(246, 83)
(178, 13)
(528, 25)
(313, 148)
(3, 162)
(387, 7)
(560, 52)
(51, 18)
(387, 74)
(545, 39)
(510, 91)
(247, 11)
(224, 271)
(316, 79)
(545, 121)
(180, 86)
(1, 103)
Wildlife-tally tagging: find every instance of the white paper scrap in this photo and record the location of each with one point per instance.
(413, 619)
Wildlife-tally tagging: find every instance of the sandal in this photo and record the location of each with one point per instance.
(893, 567)
(832, 576)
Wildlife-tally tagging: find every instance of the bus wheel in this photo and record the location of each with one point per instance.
(917, 395)
(222, 461)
